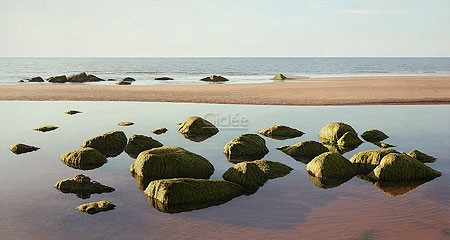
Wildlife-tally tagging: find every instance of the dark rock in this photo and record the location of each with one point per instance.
(159, 131)
(374, 135)
(96, 207)
(247, 146)
(58, 79)
(82, 186)
(46, 128)
(22, 148)
(72, 112)
(214, 78)
(139, 143)
(163, 78)
(281, 132)
(109, 144)
(36, 79)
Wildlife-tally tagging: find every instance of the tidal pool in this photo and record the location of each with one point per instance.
(291, 207)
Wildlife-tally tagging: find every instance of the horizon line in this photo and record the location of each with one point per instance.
(436, 56)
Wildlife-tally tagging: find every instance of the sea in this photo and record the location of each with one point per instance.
(237, 70)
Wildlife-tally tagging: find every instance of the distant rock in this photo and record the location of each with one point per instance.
(58, 79)
(197, 129)
(72, 112)
(82, 186)
(281, 132)
(139, 143)
(36, 79)
(21, 81)
(123, 82)
(46, 128)
(279, 77)
(214, 78)
(374, 135)
(159, 131)
(124, 124)
(96, 207)
(83, 77)
(163, 78)
(331, 165)
(111, 80)
(249, 146)
(129, 79)
(84, 158)
(22, 148)
(423, 157)
(109, 144)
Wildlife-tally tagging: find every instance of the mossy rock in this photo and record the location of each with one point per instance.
(96, 207)
(171, 162)
(279, 77)
(331, 133)
(246, 145)
(397, 167)
(186, 194)
(82, 186)
(304, 149)
(72, 112)
(214, 78)
(139, 143)
(46, 128)
(383, 144)
(84, 158)
(197, 128)
(125, 124)
(20, 148)
(281, 132)
(58, 79)
(273, 169)
(36, 79)
(340, 149)
(109, 144)
(246, 174)
(159, 131)
(331, 165)
(349, 139)
(163, 78)
(374, 135)
(423, 157)
(366, 161)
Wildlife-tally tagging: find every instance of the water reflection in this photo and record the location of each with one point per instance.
(238, 159)
(171, 208)
(326, 183)
(341, 149)
(197, 138)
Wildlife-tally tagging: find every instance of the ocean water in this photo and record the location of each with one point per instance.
(238, 70)
(291, 207)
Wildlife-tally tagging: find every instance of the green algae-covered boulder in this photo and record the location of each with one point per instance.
(20, 148)
(187, 194)
(349, 139)
(397, 167)
(96, 207)
(331, 165)
(171, 162)
(159, 131)
(279, 77)
(246, 174)
(423, 157)
(304, 149)
(84, 158)
(82, 186)
(374, 135)
(281, 132)
(124, 124)
(139, 143)
(72, 112)
(246, 145)
(383, 144)
(273, 169)
(214, 78)
(331, 133)
(46, 128)
(366, 161)
(197, 128)
(109, 144)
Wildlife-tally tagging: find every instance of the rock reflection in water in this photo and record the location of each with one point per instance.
(168, 208)
(326, 183)
(238, 159)
(396, 189)
(197, 138)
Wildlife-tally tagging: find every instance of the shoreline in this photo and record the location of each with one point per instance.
(296, 91)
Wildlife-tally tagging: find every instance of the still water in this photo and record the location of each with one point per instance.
(291, 207)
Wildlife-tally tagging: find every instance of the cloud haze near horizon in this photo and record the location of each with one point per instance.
(158, 28)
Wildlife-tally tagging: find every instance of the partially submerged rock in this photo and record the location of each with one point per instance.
(82, 186)
(125, 124)
(383, 144)
(246, 146)
(281, 132)
(197, 128)
(307, 149)
(163, 78)
(159, 131)
(96, 207)
(139, 143)
(214, 78)
(366, 161)
(21, 81)
(171, 162)
(109, 144)
(331, 133)
(374, 135)
(46, 128)
(273, 169)
(187, 194)
(58, 79)
(423, 157)
(72, 112)
(349, 139)
(397, 167)
(83, 77)
(279, 77)
(129, 79)
(331, 165)
(20, 148)
(36, 79)
(123, 82)
(246, 174)
(84, 158)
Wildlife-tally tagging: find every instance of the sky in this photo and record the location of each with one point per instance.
(197, 28)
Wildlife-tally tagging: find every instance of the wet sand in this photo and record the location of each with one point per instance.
(293, 91)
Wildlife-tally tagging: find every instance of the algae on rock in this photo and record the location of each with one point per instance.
(96, 207)
(307, 149)
(20, 148)
(273, 169)
(84, 158)
(197, 129)
(246, 146)
(139, 143)
(331, 165)
(423, 157)
(374, 135)
(214, 78)
(46, 128)
(171, 162)
(331, 133)
(159, 131)
(366, 161)
(125, 124)
(109, 144)
(246, 174)
(72, 112)
(349, 139)
(82, 186)
(279, 77)
(281, 132)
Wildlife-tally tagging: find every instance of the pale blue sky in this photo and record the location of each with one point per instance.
(152, 28)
